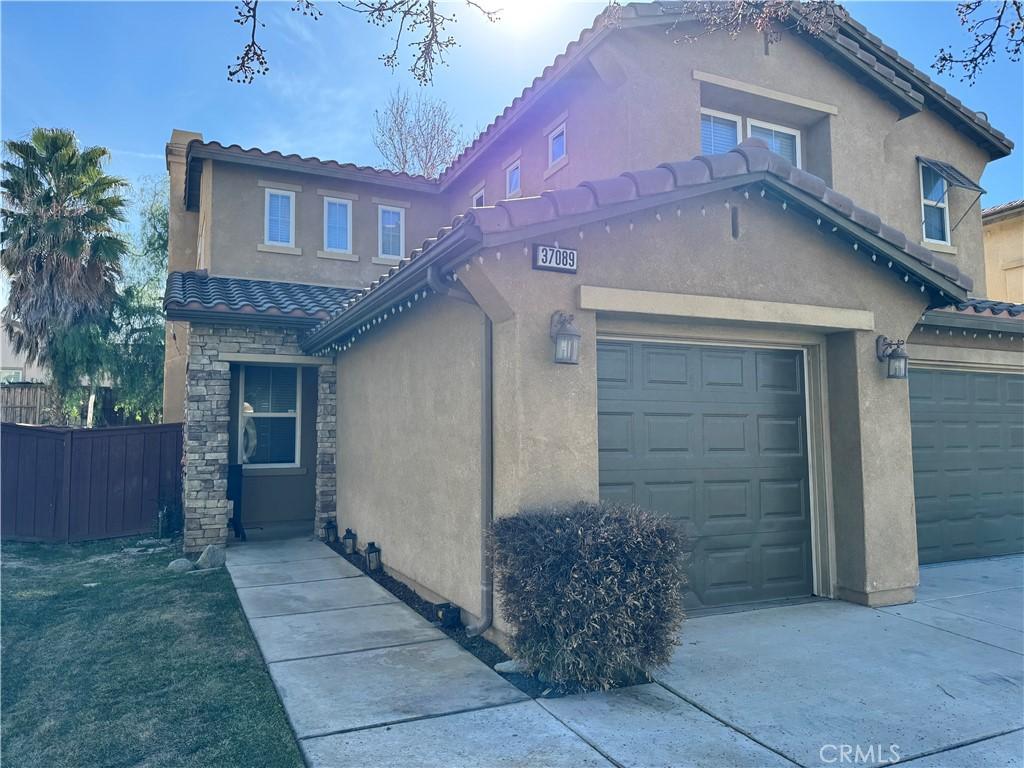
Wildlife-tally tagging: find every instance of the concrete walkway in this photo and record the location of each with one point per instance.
(365, 680)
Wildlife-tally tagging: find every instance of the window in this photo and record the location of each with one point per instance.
(279, 226)
(719, 132)
(556, 145)
(478, 198)
(268, 415)
(11, 375)
(934, 221)
(512, 179)
(392, 231)
(337, 225)
(780, 140)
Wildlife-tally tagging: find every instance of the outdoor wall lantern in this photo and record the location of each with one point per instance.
(566, 336)
(331, 532)
(372, 557)
(348, 542)
(895, 354)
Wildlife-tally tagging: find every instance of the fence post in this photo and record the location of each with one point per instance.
(64, 510)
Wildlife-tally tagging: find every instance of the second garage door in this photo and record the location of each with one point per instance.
(715, 438)
(968, 435)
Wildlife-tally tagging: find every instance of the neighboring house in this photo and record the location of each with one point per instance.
(727, 310)
(15, 367)
(1003, 227)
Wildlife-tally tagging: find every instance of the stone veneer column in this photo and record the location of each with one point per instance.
(326, 500)
(207, 394)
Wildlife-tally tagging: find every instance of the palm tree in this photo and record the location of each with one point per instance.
(59, 248)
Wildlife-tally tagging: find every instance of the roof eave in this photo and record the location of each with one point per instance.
(230, 317)
(200, 150)
(450, 251)
(972, 321)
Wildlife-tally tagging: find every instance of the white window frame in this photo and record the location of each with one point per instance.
(380, 232)
(560, 128)
(348, 207)
(751, 124)
(943, 204)
(726, 116)
(266, 217)
(515, 164)
(479, 193)
(297, 416)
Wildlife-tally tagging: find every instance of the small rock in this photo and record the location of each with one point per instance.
(180, 565)
(134, 550)
(152, 542)
(511, 667)
(91, 584)
(212, 557)
(151, 550)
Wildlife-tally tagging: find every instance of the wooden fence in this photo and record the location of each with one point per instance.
(23, 402)
(59, 484)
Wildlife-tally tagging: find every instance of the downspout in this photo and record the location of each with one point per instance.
(486, 482)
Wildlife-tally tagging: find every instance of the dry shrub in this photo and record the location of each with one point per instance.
(593, 592)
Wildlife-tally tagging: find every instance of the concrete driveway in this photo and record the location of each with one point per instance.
(366, 681)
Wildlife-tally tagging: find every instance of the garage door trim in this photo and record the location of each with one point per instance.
(823, 563)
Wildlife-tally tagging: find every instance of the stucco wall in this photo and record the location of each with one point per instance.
(409, 428)
(238, 225)
(1004, 258)
(545, 420)
(652, 115)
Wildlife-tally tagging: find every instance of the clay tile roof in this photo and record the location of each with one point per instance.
(1003, 209)
(610, 196)
(990, 307)
(189, 293)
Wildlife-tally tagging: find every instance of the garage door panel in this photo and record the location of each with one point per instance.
(968, 463)
(715, 439)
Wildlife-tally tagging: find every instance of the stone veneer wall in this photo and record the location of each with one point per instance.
(326, 488)
(207, 394)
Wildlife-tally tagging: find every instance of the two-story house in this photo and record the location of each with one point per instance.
(398, 353)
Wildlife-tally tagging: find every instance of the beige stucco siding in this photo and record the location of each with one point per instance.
(409, 431)
(1004, 258)
(239, 226)
(651, 115)
(545, 419)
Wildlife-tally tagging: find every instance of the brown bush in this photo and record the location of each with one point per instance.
(593, 592)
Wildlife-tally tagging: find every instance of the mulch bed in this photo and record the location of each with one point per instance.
(486, 651)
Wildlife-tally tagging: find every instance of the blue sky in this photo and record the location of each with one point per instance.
(124, 74)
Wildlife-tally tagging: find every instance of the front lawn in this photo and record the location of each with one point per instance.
(109, 659)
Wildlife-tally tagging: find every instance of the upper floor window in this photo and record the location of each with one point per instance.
(337, 225)
(934, 205)
(719, 132)
(391, 222)
(279, 218)
(268, 419)
(478, 198)
(512, 180)
(556, 145)
(780, 140)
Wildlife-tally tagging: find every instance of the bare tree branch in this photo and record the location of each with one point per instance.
(769, 17)
(1007, 18)
(416, 135)
(422, 18)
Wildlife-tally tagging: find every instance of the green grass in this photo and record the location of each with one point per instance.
(145, 668)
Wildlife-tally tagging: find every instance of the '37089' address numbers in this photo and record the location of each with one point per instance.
(554, 259)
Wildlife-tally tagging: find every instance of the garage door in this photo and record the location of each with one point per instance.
(714, 437)
(968, 436)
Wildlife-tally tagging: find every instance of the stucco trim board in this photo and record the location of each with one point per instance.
(717, 308)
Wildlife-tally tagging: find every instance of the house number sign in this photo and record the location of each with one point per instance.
(555, 259)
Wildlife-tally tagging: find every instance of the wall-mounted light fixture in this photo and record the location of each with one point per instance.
(894, 353)
(566, 336)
